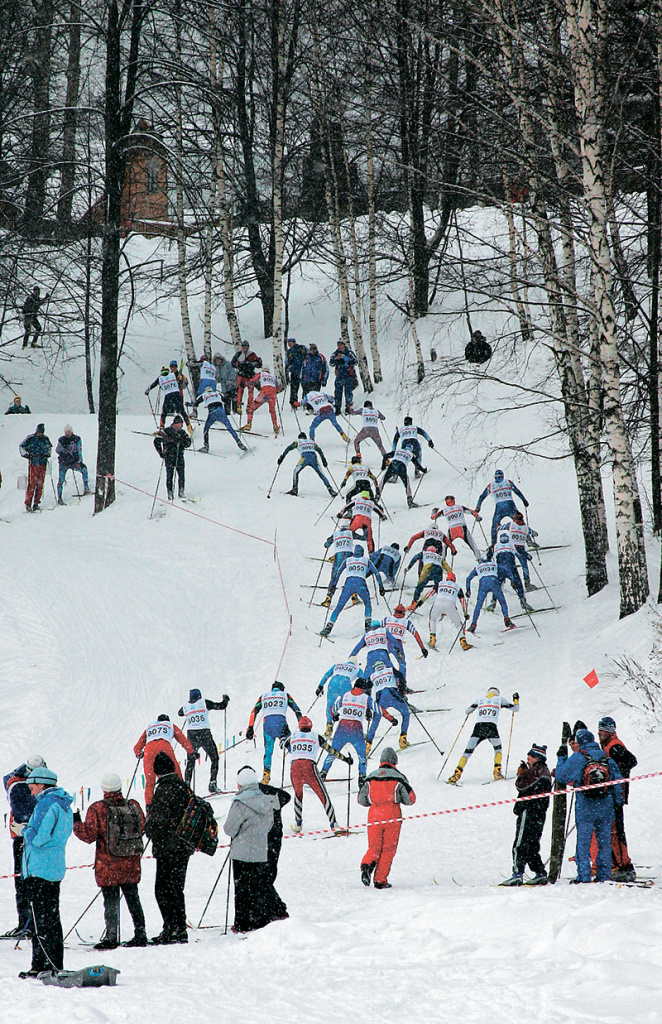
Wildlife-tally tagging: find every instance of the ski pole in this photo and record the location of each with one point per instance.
(402, 585)
(273, 481)
(317, 581)
(133, 777)
(381, 741)
(532, 622)
(227, 901)
(545, 588)
(324, 511)
(50, 473)
(225, 748)
(280, 417)
(349, 782)
(157, 488)
(152, 410)
(82, 915)
(218, 878)
(313, 705)
(282, 771)
(457, 637)
(510, 738)
(453, 746)
(434, 743)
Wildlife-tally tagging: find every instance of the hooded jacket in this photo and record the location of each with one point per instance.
(570, 770)
(45, 835)
(383, 791)
(166, 810)
(249, 820)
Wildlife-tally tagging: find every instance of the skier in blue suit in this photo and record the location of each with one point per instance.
(502, 491)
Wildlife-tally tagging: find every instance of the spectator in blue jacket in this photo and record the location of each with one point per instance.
(594, 810)
(36, 448)
(294, 358)
(45, 838)
(69, 453)
(344, 361)
(315, 371)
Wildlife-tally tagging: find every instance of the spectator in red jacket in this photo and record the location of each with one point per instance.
(116, 826)
(158, 738)
(383, 792)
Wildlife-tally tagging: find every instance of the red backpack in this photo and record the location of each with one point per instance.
(596, 773)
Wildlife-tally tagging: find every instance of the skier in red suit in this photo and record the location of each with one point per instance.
(158, 737)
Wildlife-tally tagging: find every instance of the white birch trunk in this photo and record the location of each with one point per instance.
(277, 196)
(372, 218)
(179, 211)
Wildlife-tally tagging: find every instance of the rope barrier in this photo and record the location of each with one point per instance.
(428, 814)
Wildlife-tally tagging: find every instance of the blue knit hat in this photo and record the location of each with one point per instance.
(194, 695)
(607, 724)
(583, 736)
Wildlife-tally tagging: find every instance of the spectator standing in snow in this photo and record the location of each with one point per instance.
(315, 371)
(383, 792)
(343, 360)
(622, 867)
(69, 452)
(172, 854)
(226, 380)
(170, 443)
(533, 777)
(294, 359)
(16, 408)
(116, 859)
(21, 805)
(36, 448)
(249, 821)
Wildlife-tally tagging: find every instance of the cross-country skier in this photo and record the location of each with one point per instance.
(247, 364)
(432, 536)
(533, 776)
(304, 747)
(340, 679)
(383, 792)
(268, 392)
(359, 478)
(357, 567)
(488, 708)
(157, 738)
(622, 867)
(273, 706)
(322, 406)
(389, 691)
(502, 492)
(395, 463)
(487, 573)
(431, 572)
(379, 645)
(397, 626)
(207, 373)
(170, 444)
(196, 712)
(170, 382)
(216, 413)
(594, 809)
(504, 555)
(350, 711)
(308, 452)
(454, 515)
(449, 596)
(69, 453)
(387, 561)
(407, 437)
(360, 511)
(21, 805)
(370, 418)
(342, 541)
(519, 531)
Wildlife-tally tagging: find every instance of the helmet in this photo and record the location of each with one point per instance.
(518, 517)
(358, 550)
(395, 545)
(356, 459)
(305, 724)
(163, 718)
(492, 692)
(451, 576)
(375, 624)
(363, 684)
(399, 611)
(365, 494)
(277, 686)
(367, 404)
(450, 499)
(408, 421)
(498, 475)
(303, 434)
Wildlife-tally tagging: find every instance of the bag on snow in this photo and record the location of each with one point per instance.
(595, 773)
(198, 827)
(124, 831)
(87, 977)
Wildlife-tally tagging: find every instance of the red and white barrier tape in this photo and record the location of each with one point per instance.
(429, 814)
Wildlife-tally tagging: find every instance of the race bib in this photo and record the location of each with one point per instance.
(168, 384)
(370, 418)
(501, 492)
(487, 569)
(376, 640)
(454, 515)
(363, 508)
(343, 541)
(403, 455)
(159, 731)
(432, 558)
(353, 707)
(488, 709)
(357, 567)
(306, 447)
(197, 716)
(407, 433)
(274, 703)
(267, 380)
(304, 745)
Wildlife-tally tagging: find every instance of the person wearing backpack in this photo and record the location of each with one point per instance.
(171, 799)
(594, 809)
(622, 869)
(115, 825)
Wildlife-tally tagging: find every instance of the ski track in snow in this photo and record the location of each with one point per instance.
(107, 621)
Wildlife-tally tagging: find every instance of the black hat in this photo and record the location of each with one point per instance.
(40, 428)
(278, 686)
(163, 718)
(303, 434)
(163, 765)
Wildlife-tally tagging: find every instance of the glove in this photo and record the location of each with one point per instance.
(468, 596)
(521, 768)
(147, 391)
(479, 519)
(325, 463)
(516, 698)
(319, 691)
(452, 549)
(77, 817)
(279, 460)
(348, 759)
(430, 444)
(18, 826)
(525, 502)
(562, 751)
(382, 592)
(141, 755)
(284, 740)
(225, 702)
(466, 615)
(424, 652)
(250, 733)
(368, 748)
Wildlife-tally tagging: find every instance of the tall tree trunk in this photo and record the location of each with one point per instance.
(191, 356)
(372, 217)
(69, 121)
(278, 16)
(39, 160)
(583, 17)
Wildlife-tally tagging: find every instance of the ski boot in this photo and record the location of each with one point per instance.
(366, 873)
(329, 729)
(455, 777)
(497, 767)
(204, 448)
(276, 431)
(171, 495)
(294, 491)
(355, 599)
(539, 879)
(626, 874)
(60, 502)
(526, 606)
(413, 606)
(334, 494)
(509, 624)
(345, 438)
(326, 602)
(404, 742)
(246, 428)
(464, 644)
(530, 587)
(240, 445)
(471, 628)
(213, 788)
(515, 879)
(87, 491)
(383, 885)
(411, 503)
(325, 630)
(266, 776)
(433, 641)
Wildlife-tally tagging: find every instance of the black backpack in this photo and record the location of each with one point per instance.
(595, 773)
(198, 827)
(124, 830)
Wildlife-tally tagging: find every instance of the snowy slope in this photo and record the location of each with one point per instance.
(108, 621)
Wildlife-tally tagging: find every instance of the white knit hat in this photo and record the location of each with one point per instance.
(111, 783)
(36, 761)
(246, 776)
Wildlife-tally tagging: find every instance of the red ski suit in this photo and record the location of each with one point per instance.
(151, 749)
(383, 792)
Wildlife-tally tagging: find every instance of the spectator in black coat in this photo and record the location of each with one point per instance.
(170, 444)
(171, 798)
(294, 358)
(533, 776)
(279, 798)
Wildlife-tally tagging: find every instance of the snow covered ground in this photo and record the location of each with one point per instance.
(107, 621)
